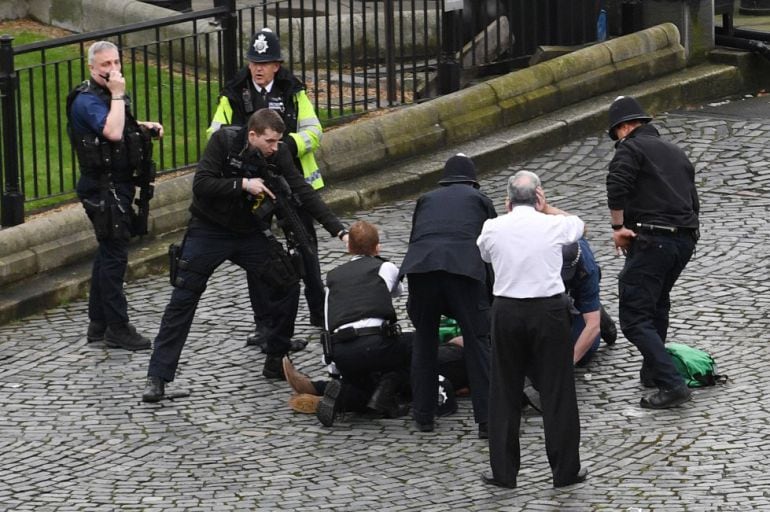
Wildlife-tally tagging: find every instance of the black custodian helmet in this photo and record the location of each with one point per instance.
(623, 109)
(264, 47)
(459, 169)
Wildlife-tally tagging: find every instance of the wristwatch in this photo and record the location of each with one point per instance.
(616, 227)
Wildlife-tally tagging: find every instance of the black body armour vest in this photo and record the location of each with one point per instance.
(98, 156)
(357, 291)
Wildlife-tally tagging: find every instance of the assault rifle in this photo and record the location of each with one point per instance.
(145, 180)
(284, 206)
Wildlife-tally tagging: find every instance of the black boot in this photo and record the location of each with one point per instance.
(329, 405)
(609, 332)
(154, 390)
(125, 337)
(667, 398)
(273, 368)
(384, 399)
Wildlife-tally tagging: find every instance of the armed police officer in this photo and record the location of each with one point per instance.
(264, 83)
(230, 192)
(114, 153)
(654, 215)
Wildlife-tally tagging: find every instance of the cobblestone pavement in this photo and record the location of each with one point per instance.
(74, 434)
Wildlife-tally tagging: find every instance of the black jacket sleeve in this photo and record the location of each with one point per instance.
(210, 180)
(622, 176)
(309, 197)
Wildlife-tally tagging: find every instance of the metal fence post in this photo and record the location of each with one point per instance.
(229, 23)
(451, 41)
(13, 198)
(390, 51)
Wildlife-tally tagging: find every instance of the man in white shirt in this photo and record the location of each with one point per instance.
(531, 331)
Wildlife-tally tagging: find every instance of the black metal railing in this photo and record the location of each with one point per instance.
(353, 57)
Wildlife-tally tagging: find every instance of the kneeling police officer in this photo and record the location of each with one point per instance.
(228, 189)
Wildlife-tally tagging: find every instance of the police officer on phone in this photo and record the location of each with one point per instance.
(112, 148)
(654, 215)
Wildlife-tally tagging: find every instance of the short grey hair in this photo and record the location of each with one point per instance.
(98, 47)
(522, 188)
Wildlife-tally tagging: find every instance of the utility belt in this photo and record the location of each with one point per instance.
(386, 330)
(111, 219)
(657, 229)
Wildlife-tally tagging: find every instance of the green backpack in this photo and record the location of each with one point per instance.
(697, 367)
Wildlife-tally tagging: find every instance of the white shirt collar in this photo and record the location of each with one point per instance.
(268, 87)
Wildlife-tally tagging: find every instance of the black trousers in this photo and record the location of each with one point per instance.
(362, 362)
(432, 294)
(532, 337)
(653, 264)
(314, 287)
(106, 298)
(206, 247)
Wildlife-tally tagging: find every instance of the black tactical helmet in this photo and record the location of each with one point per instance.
(625, 108)
(264, 47)
(459, 169)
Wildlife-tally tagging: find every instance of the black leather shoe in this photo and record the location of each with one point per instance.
(257, 338)
(329, 404)
(483, 431)
(533, 398)
(428, 426)
(297, 345)
(488, 479)
(95, 332)
(125, 337)
(154, 390)
(667, 398)
(273, 368)
(607, 328)
(581, 476)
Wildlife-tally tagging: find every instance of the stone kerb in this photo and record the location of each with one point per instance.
(513, 98)
(44, 243)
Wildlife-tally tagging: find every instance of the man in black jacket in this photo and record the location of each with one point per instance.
(265, 83)
(447, 276)
(654, 215)
(227, 189)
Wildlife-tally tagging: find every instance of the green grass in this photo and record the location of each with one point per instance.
(159, 93)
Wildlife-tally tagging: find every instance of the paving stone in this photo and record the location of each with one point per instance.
(74, 434)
